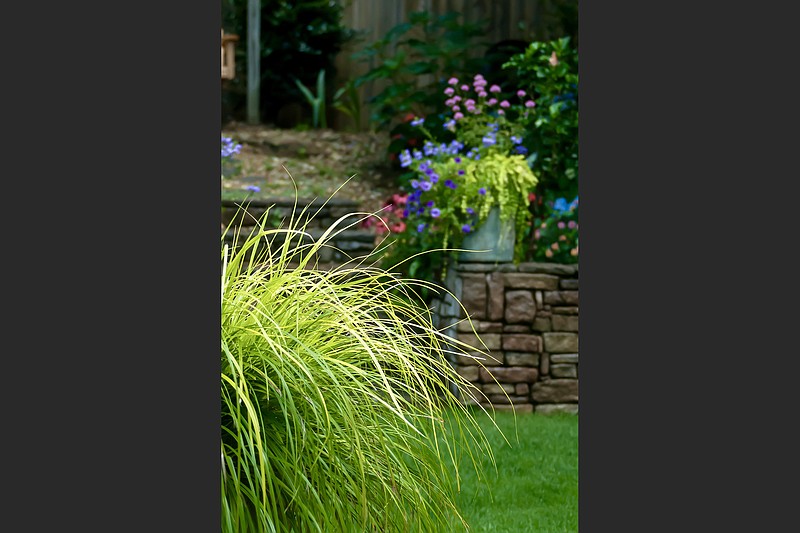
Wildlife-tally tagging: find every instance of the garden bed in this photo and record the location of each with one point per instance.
(319, 161)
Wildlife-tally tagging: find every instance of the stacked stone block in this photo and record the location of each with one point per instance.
(526, 316)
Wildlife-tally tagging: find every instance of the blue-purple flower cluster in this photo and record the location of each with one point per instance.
(427, 185)
(230, 148)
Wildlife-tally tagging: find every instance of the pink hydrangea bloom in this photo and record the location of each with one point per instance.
(530, 103)
(494, 89)
(449, 91)
(465, 87)
(505, 104)
(452, 81)
(491, 101)
(458, 116)
(520, 93)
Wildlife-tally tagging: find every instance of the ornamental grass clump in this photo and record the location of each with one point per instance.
(340, 411)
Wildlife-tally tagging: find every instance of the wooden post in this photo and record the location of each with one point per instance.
(253, 60)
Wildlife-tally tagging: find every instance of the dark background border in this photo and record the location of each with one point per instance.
(112, 267)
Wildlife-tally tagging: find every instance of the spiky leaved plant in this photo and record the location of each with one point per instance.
(339, 410)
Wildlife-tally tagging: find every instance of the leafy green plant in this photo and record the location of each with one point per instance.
(554, 236)
(317, 101)
(347, 100)
(340, 411)
(549, 72)
(413, 60)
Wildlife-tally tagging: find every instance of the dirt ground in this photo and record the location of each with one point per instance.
(319, 161)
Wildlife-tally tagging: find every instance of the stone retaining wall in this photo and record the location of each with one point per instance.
(527, 316)
(320, 215)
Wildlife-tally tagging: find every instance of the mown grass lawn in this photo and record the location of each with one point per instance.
(535, 487)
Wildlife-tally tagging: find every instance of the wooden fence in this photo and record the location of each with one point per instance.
(525, 20)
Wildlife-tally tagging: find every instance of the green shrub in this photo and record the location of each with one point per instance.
(553, 237)
(335, 395)
(548, 71)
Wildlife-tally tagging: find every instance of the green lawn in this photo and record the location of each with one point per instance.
(535, 487)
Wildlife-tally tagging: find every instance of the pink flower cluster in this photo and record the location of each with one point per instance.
(479, 84)
(391, 216)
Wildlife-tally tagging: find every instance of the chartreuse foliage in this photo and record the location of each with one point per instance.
(338, 406)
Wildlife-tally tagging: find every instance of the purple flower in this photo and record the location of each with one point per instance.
(449, 91)
(415, 184)
(405, 213)
(491, 101)
(420, 228)
(466, 228)
(430, 203)
(505, 104)
(452, 81)
(405, 158)
(417, 122)
(458, 116)
(494, 89)
(483, 94)
(425, 185)
(571, 224)
(253, 188)
(530, 103)
(470, 211)
(456, 108)
(457, 159)
(465, 87)
(520, 93)
(434, 178)
(435, 212)
(482, 191)
(461, 172)
(450, 183)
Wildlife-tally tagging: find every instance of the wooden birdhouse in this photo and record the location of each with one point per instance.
(228, 60)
